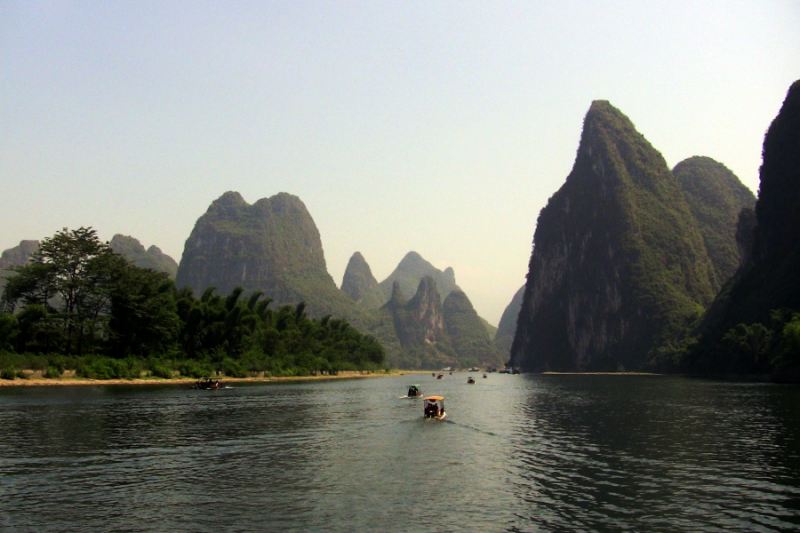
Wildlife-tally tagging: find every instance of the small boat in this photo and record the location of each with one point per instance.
(207, 383)
(434, 408)
(484, 376)
(471, 380)
(413, 392)
(440, 376)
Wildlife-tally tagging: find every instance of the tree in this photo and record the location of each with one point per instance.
(143, 316)
(64, 277)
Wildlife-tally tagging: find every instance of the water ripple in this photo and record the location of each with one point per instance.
(518, 453)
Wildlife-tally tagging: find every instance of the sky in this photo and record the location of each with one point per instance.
(441, 127)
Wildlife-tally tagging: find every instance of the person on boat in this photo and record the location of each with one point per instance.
(431, 410)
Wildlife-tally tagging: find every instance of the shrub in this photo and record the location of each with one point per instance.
(53, 372)
(161, 371)
(231, 367)
(8, 373)
(195, 369)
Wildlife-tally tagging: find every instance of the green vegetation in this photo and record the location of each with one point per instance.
(752, 327)
(78, 305)
(467, 333)
(716, 197)
(619, 268)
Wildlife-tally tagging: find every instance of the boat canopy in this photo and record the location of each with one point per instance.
(434, 398)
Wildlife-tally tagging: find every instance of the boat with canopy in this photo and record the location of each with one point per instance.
(434, 408)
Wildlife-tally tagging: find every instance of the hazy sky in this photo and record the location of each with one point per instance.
(440, 127)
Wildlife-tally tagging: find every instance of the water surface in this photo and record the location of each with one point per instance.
(518, 453)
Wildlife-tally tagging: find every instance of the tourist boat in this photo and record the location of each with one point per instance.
(434, 408)
(471, 380)
(413, 392)
(206, 383)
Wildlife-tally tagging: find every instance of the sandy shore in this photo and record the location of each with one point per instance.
(73, 381)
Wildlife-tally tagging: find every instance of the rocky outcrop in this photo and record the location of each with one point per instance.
(19, 255)
(618, 266)
(419, 321)
(359, 283)
(716, 197)
(751, 328)
(271, 246)
(435, 334)
(508, 324)
(152, 258)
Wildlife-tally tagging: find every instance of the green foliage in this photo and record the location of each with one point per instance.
(110, 368)
(749, 345)
(467, 333)
(619, 268)
(77, 296)
(53, 372)
(716, 197)
(8, 331)
(767, 281)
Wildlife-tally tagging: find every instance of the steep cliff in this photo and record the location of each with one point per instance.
(435, 334)
(271, 246)
(754, 324)
(508, 324)
(618, 266)
(359, 283)
(419, 326)
(152, 258)
(716, 197)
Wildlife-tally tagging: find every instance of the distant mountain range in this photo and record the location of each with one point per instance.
(273, 246)
(634, 267)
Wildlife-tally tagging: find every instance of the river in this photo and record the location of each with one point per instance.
(516, 453)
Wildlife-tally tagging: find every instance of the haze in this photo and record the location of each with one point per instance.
(440, 127)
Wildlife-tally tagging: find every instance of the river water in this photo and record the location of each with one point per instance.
(517, 453)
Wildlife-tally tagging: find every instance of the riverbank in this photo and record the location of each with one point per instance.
(69, 381)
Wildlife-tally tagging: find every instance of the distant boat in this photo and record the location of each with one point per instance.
(206, 383)
(413, 392)
(440, 376)
(471, 380)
